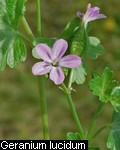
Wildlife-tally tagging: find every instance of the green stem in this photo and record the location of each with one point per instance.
(27, 29)
(43, 101)
(70, 78)
(94, 120)
(38, 17)
(73, 110)
(43, 108)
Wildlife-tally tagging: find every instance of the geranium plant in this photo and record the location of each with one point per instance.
(60, 58)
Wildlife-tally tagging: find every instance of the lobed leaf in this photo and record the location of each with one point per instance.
(106, 88)
(102, 85)
(12, 47)
(95, 49)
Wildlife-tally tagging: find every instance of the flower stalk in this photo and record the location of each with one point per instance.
(73, 111)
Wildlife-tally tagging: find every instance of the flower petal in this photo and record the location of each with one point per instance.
(41, 68)
(101, 16)
(44, 52)
(59, 49)
(95, 17)
(70, 61)
(91, 14)
(57, 75)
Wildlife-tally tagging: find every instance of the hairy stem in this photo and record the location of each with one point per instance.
(73, 111)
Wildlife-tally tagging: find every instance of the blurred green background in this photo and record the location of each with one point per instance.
(19, 94)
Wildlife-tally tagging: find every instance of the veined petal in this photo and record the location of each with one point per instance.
(44, 52)
(70, 61)
(59, 49)
(41, 68)
(57, 75)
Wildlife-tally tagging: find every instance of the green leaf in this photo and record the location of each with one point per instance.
(48, 41)
(12, 47)
(93, 148)
(102, 85)
(80, 42)
(79, 74)
(113, 141)
(95, 49)
(115, 97)
(73, 136)
(106, 88)
(71, 27)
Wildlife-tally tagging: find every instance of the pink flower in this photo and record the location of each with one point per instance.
(91, 14)
(53, 61)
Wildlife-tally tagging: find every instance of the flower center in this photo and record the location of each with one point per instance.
(55, 62)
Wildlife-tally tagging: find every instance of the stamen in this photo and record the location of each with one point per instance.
(55, 62)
